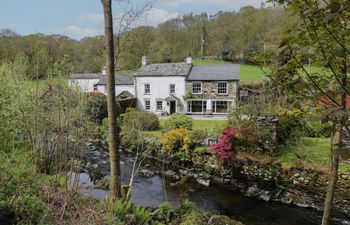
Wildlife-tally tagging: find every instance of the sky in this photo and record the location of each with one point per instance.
(83, 18)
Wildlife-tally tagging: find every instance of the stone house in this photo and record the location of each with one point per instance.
(167, 88)
(212, 89)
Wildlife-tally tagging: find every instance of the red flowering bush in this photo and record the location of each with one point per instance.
(225, 146)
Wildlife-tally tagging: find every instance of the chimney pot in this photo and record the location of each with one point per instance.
(189, 59)
(144, 60)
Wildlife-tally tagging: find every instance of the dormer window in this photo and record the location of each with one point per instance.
(222, 88)
(196, 87)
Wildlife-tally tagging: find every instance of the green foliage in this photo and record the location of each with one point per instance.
(130, 109)
(20, 185)
(193, 218)
(186, 207)
(178, 121)
(96, 108)
(144, 121)
(142, 215)
(195, 138)
(124, 104)
(174, 141)
(165, 212)
(119, 209)
(318, 129)
(290, 127)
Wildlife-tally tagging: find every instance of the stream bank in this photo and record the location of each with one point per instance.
(254, 199)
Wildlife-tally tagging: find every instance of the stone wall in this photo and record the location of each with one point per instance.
(269, 124)
(209, 90)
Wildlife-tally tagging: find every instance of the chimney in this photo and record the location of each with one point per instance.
(144, 60)
(189, 60)
(104, 71)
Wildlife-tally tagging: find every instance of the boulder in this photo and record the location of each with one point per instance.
(146, 173)
(204, 182)
(222, 220)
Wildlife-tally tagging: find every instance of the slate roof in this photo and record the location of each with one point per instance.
(164, 69)
(86, 76)
(119, 80)
(215, 72)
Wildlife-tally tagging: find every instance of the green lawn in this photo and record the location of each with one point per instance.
(312, 150)
(211, 126)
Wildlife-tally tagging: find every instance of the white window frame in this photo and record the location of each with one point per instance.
(218, 87)
(161, 105)
(147, 105)
(172, 90)
(197, 82)
(147, 89)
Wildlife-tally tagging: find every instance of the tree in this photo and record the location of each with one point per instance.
(322, 26)
(113, 139)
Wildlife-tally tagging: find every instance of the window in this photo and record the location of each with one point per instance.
(196, 87)
(159, 105)
(222, 87)
(148, 105)
(172, 88)
(147, 89)
(196, 106)
(95, 87)
(221, 106)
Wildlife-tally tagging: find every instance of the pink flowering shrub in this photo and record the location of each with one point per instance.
(225, 146)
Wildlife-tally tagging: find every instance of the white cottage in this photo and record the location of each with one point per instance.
(86, 82)
(160, 87)
(95, 82)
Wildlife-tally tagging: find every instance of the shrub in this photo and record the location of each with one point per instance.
(224, 148)
(130, 109)
(290, 127)
(96, 108)
(174, 140)
(144, 121)
(124, 104)
(194, 139)
(318, 129)
(178, 121)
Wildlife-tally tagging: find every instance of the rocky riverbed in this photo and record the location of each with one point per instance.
(252, 201)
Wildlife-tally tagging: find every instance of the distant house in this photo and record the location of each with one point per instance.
(167, 88)
(86, 82)
(124, 84)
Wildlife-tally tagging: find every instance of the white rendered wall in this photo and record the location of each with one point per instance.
(118, 89)
(160, 89)
(86, 85)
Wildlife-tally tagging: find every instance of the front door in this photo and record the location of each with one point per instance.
(172, 107)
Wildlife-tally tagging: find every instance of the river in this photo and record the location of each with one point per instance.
(150, 192)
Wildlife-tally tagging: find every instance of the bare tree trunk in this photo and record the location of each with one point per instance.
(113, 139)
(336, 147)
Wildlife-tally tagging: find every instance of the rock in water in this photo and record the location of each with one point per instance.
(203, 182)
